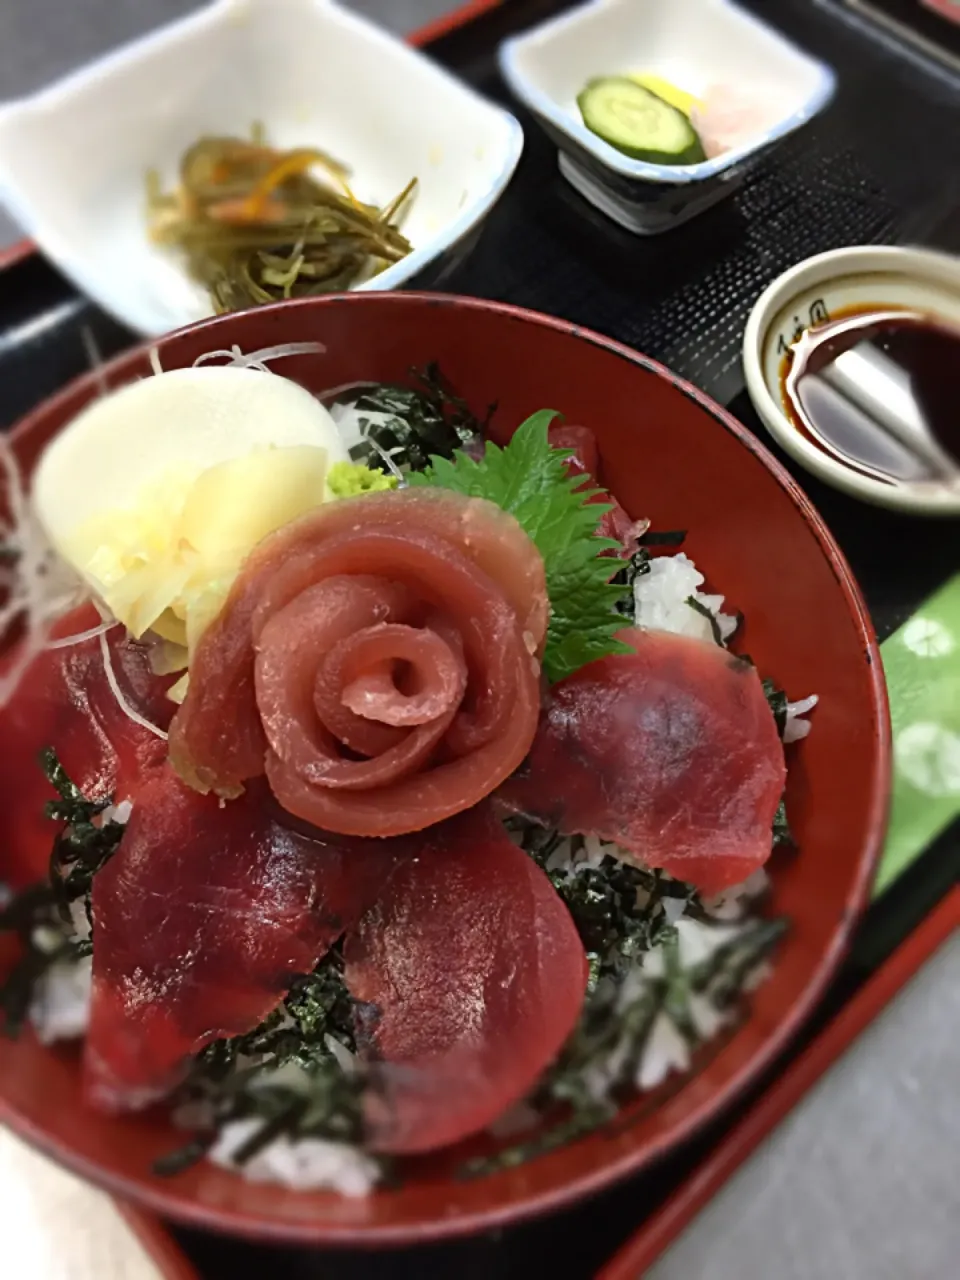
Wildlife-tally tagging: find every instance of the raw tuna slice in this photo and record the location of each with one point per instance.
(472, 976)
(583, 443)
(65, 701)
(671, 752)
(615, 523)
(202, 919)
(377, 660)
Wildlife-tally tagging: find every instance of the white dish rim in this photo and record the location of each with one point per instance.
(54, 96)
(640, 170)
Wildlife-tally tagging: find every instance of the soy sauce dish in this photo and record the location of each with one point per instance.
(342, 700)
(852, 360)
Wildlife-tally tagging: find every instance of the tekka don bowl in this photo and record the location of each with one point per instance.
(669, 454)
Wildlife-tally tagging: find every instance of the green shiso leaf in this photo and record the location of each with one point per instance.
(529, 478)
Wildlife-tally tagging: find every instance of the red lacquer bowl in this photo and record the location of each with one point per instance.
(670, 454)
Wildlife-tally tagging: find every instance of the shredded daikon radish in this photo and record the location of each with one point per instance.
(224, 353)
(354, 428)
(36, 586)
(258, 359)
(91, 633)
(95, 359)
(117, 692)
(332, 393)
(392, 466)
(39, 586)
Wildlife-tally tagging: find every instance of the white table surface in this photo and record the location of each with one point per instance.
(55, 1227)
(862, 1180)
(861, 1183)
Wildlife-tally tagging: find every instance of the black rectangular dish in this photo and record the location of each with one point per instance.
(880, 166)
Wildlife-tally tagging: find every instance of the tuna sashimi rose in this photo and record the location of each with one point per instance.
(377, 660)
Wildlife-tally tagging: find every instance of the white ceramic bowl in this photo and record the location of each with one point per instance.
(691, 43)
(810, 293)
(73, 157)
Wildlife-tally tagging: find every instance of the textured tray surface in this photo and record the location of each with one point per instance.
(873, 169)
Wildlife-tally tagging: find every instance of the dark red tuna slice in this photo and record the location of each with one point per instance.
(471, 976)
(202, 919)
(615, 523)
(670, 751)
(298, 675)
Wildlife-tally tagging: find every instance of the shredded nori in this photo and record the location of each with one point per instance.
(40, 915)
(663, 538)
(710, 616)
(83, 846)
(782, 834)
(634, 568)
(236, 1079)
(33, 916)
(426, 419)
(639, 563)
(620, 913)
(778, 704)
(618, 908)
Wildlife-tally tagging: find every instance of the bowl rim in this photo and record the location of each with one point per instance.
(545, 106)
(161, 1198)
(71, 257)
(821, 267)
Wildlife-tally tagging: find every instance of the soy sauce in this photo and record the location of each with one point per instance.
(879, 389)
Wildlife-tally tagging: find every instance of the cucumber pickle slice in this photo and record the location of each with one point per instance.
(638, 123)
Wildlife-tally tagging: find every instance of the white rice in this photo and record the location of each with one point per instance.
(707, 1018)
(797, 726)
(347, 1060)
(117, 813)
(733, 904)
(60, 1009)
(698, 942)
(350, 423)
(661, 603)
(661, 600)
(666, 1050)
(309, 1164)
